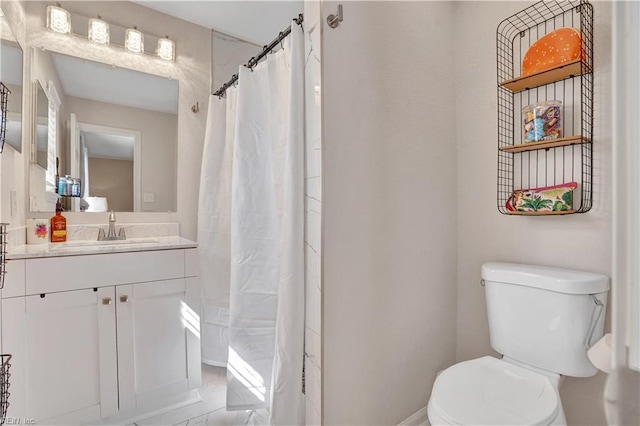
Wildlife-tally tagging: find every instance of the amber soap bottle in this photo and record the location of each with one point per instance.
(58, 226)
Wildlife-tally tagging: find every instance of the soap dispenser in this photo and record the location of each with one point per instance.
(58, 225)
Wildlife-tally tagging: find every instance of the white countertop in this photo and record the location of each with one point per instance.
(84, 247)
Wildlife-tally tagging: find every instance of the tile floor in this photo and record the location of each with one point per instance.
(211, 410)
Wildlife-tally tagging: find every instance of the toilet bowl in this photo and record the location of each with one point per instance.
(96, 204)
(491, 391)
(542, 320)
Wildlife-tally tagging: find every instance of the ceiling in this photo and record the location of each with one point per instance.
(257, 22)
(107, 145)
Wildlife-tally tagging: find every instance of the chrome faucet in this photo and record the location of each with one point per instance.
(111, 235)
(112, 226)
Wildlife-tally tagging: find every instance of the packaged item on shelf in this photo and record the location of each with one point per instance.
(58, 226)
(554, 49)
(75, 188)
(542, 121)
(62, 185)
(557, 198)
(69, 182)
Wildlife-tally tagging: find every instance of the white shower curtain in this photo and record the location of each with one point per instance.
(265, 242)
(214, 228)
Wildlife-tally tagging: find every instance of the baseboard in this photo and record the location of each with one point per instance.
(131, 416)
(419, 418)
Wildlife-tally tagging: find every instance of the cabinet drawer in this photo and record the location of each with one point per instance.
(78, 272)
(14, 279)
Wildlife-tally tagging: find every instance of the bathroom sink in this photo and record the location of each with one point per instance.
(70, 245)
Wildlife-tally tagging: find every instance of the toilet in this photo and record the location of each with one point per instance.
(542, 320)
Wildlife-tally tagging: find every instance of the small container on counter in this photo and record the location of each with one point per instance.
(37, 231)
(58, 226)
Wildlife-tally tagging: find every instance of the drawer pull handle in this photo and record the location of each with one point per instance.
(124, 298)
(106, 301)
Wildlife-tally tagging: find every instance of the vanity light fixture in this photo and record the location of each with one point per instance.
(166, 49)
(134, 40)
(98, 31)
(58, 19)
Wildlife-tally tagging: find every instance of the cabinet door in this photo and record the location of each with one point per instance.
(153, 325)
(70, 342)
(13, 342)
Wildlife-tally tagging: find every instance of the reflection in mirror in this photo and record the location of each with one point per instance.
(42, 126)
(11, 76)
(108, 160)
(122, 128)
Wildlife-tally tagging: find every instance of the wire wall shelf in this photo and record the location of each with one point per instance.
(4, 387)
(523, 164)
(4, 97)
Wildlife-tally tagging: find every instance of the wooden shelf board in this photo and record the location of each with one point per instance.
(561, 72)
(540, 213)
(533, 146)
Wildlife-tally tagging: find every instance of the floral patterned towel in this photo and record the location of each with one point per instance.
(549, 198)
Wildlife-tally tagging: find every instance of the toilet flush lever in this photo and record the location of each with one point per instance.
(595, 318)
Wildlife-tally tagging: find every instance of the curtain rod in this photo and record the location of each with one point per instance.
(254, 60)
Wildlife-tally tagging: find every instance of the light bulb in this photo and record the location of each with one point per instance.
(166, 49)
(134, 40)
(98, 31)
(58, 20)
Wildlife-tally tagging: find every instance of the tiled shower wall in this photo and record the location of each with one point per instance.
(313, 203)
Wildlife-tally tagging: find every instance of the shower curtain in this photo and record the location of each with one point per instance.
(214, 228)
(259, 234)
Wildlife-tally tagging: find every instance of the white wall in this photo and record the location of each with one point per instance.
(389, 203)
(580, 241)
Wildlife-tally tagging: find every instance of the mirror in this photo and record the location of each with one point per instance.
(42, 126)
(119, 130)
(11, 76)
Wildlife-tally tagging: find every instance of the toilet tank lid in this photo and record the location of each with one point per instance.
(547, 278)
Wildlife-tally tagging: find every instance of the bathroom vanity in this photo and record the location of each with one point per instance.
(99, 330)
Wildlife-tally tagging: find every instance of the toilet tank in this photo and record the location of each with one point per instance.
(545, 317)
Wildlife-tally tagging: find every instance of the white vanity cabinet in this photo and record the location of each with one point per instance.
(99, 335)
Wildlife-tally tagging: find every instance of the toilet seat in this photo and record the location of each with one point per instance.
(489, 391)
